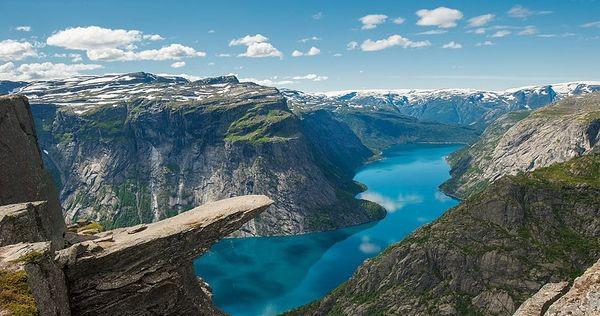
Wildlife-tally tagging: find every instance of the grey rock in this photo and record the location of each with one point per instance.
(22, 174)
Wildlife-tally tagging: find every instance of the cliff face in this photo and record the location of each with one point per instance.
(22, 174)
(141, 270)
(487, 255)
(141, 148)
(525, 141)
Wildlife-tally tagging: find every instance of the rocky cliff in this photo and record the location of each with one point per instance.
(582, 298)
(138, 148)
(140, 270)
(487, 255)
(525, 141)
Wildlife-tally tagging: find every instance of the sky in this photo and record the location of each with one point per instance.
(308, 45)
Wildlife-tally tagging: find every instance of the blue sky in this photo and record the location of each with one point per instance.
(357, 44)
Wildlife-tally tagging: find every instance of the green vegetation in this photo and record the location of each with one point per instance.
(261, 124)
(92, 226)
(32, 256)
(15, 295)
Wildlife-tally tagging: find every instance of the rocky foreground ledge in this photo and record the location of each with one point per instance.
(140, 270)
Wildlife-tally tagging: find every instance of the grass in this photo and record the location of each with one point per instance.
(15, 295)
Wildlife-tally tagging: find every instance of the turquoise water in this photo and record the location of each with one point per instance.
(269, 275)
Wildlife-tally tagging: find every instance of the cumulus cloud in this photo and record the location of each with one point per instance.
(103, 44)
(74, 57)
(452, 45)
(372, 20)
(256, 46)
(441, 17)
(40, 71)
(153, 37)
(284, 81)
(393, 40)
(23, 28)
(481, 20)
(501, 33)
(171, 52)
(94, 37)
(11, 50)
(313, 51)
(352, 45)
(223, 55)
(521, 12)
(178, 64)
(399, 20)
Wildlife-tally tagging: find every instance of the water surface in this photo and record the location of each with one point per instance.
(269, 275)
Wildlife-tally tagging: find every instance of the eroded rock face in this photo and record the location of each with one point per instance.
(22, 174)
(523, 141)
(147, 269)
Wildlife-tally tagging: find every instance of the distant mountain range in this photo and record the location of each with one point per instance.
(449, 106)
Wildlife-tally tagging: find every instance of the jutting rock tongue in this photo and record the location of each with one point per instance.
(22, 174)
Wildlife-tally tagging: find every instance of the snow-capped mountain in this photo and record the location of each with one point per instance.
(451, 106)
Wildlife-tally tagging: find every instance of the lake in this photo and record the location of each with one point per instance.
(269, 275)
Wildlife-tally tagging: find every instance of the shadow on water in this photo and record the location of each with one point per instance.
(269, 275)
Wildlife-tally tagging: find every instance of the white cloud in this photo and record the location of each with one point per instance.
(268, 82)
(178, 64)
(352, 45)
(480, 30)
(393, 40)
(211, 31)
(399, 20)
(223, 55)
(23, 28)
(249, 40)
(313, 51)
(591, 24)
(11, 50)
(481, 20)
(452, 45)
(521, 12)
(257, 46)
(153, 37)
(484, 43)
(441, 17)
(94, 37)
(171, 52)
(307, 39)
(501, 33)
(312, 77)
(433, 32)
(528, 30)
(372, 20)
(337, 55)
(318, 16)
(39, 71)
(258, 50)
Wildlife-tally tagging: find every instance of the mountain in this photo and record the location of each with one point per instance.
(137, 148)
(476, 108)
(527, 140)
(487, 255)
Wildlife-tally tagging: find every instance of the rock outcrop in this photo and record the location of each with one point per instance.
(525, 141)
(558, 299)
(22, 174)
(140, 270)
(487, 255)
